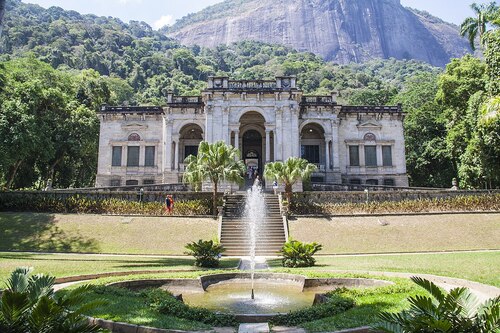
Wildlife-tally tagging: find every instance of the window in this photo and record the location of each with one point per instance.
(150, 156)
(115, 182)
(371, 156)
(371, 182)
(310, 153)
(132, 182)
(133, 156)
(148, 182)
(354, 155)
(387, 155)
(355, 181)
(190, 150)
(389, 182)
(116, 159)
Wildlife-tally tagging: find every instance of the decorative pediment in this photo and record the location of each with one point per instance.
(134, 127)
(369, 124)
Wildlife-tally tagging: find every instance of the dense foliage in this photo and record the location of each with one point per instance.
(334, 304)
(299, 254)
(465, 203)
(81, 204)
(29, 305)
(452, 121)
(165, 303)
(456, 311)
(206, 253)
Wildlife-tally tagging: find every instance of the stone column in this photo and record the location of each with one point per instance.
(278, 150)
(295, 135)
(380, 161)
(176, 154)
(168, 145)
(268, 146)
(335, 145)
(209, 131)
(237, 140)
(327, 154)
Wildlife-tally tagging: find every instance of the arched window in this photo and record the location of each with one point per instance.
(134, 137)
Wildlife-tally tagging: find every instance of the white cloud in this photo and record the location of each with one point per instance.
(163, 21)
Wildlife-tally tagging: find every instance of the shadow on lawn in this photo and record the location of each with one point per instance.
(39, 232)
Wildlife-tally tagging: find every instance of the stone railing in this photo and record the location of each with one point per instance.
(317, 100)
(130, 109)
(252, 85)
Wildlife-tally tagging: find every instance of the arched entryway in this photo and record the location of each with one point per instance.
(190, 137)
(315, 149)
(253, 145)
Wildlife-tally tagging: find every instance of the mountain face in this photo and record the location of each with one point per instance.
(340, 30)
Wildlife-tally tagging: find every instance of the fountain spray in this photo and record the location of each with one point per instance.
(255, 211)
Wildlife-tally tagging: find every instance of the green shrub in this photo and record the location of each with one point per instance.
(206, 253)
(81, 204)
(165, 303)
(334, 305)
(456, 311)
(298, 254)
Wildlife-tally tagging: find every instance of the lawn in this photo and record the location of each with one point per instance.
(407, 233)
(61, 265)
(481, 267)
(168, 235)
(101, 233)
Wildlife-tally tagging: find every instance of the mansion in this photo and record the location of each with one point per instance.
(266, 120)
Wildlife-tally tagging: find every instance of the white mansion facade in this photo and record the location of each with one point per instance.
(267, 120)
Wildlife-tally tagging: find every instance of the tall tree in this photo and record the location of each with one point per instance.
(473, 27)
(289, 172)
(215, 162)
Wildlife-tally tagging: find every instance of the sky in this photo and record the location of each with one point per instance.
(158, 13)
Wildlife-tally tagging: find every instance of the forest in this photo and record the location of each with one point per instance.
(58, 67)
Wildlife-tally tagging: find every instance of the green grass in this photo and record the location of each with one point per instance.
(443, 232)
(61, 265)
(482, 267)
(126, 306)
(102, 234)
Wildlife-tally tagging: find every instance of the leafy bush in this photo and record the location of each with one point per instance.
(206, 253)
(29, 305)
(298, 254)
(460, 203)
(81, 204)
(165, 303)
(457, 311)
(334, 305)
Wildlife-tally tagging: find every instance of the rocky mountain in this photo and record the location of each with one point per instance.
(340, 30)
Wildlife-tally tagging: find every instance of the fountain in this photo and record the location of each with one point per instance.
(255, 212)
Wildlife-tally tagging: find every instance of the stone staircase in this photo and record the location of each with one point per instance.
(270, 235)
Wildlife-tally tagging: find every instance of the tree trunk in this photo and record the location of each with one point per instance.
(12, 172)
(52, 169)
(2, 13)
(214, 200)
(288, 192)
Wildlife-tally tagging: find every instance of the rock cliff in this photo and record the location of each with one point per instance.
(339, 30)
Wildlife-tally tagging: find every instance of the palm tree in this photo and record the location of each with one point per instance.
(29, 305)
(289, 172)
(456, 311)
(472, 26)
(2, 13)
(215, 162)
